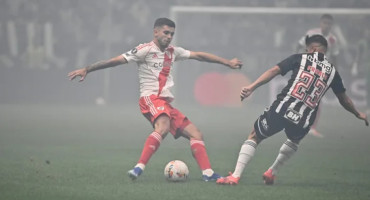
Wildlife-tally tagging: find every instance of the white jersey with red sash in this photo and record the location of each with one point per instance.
(155, 67)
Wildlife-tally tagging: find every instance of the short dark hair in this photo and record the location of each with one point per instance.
(327, 16)
(164, 21)
(316, 39)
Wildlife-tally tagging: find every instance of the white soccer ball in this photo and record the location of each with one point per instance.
(176, 170)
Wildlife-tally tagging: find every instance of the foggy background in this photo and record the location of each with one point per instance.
(42, 40)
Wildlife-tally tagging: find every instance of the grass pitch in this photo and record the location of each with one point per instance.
(84, 152)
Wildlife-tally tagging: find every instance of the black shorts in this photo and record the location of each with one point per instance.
(270, 123)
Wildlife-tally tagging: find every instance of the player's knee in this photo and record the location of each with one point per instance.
(253, 136)
(196, 136)
(162, 125)
(294, 142)
(192, 132)
(162, 130)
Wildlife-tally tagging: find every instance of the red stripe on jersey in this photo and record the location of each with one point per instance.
(167, 62)
(144, 45)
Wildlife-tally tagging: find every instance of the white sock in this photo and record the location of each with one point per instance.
(286, 151)
(141, 165)
(208, 172)
(245, 155)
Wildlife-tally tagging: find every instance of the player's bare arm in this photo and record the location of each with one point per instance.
(263, 79)
(208, 57)
(347, 103)
(118, 60)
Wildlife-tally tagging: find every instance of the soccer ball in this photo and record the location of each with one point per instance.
(176, 170)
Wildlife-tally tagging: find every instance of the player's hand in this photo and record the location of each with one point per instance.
(79, 72)
(363, 116)
(245, 92)
(235, 63)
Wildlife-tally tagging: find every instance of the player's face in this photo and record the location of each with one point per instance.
(325, 25)
(163, 35)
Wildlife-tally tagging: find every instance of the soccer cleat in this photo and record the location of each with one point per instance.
(134, 173)
(268, 177)
(228, 180)
(214, 177)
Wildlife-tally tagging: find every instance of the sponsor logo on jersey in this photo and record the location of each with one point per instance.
(134, 51)
(160, 108)
(323, 64)
(154, 56)
(265, 126)
(318, 72)
(292, 115)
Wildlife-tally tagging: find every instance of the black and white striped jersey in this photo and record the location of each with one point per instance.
(312, 75)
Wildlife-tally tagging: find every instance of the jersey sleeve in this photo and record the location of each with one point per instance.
(136, 54)
(181, 54)
(289, 63)
(337, 84)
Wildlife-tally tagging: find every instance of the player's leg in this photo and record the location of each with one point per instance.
(160, 119)
(264, 127)
(246, 153)
(199, 152)
(152, 143)
(287, 150)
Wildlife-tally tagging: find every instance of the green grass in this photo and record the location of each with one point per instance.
(89, 149)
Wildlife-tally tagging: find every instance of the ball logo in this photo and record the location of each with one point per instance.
(176, 170)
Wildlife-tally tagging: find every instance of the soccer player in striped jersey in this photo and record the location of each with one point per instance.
(325, 29)
(295, 108)
(155, 61)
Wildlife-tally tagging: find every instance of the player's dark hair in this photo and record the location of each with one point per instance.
(327, 16)
(164, 21)
(317, 39)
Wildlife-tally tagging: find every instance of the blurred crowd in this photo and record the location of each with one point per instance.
(57, 36)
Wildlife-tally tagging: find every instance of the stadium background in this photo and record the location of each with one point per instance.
(43, 40)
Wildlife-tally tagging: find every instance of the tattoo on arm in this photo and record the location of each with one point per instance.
(106, 63)
(98, 65)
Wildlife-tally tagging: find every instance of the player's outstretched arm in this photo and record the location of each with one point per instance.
(96, 66)
(208, 57)
(347, 103)
(263, 79)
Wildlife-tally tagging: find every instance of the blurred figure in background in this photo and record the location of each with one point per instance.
(325, 29)
(361, 63)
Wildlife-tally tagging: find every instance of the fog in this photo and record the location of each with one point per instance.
(42, 40)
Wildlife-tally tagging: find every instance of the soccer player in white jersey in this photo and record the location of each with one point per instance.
(325, 29)
(295, 108)
(155, 60)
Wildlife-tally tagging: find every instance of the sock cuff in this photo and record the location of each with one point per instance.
(195, 141)
(156, 136)
(251, 143)
(291, 144)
